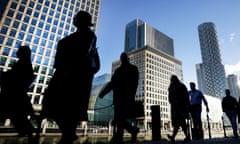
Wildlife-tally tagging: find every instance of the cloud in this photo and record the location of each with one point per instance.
(231, 36)
(232, 69)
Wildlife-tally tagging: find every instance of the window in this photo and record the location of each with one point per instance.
(16, 24)
(31, 30)
(34, 22)
(40, 24)
(36, 41)
(13, 5)
(26, 19)
(13, 33)
(9, 42)
(36, 14)
(10, 13)
(6, 51)
(29, 11)
(19, 16)
(21, 8)
(20, 35)
(4, 30)
(24, 27)
(7, 21)
(45, 35)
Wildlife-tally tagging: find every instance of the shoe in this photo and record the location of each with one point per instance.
(134, 135)
(171, 138)
(187, 139)
(235, 135)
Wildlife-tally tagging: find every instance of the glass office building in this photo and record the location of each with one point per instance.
(152, 52)
(212, 69)
(139, 34)
(100, 110)
(39, 24)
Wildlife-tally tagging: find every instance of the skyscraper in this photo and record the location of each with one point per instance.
(232, 85)
(138, 34)
(212, 69)
(152, 52)
(39, 24)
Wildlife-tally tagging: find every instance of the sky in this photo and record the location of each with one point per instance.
(178, 20)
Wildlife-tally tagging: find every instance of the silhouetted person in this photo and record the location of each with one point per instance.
(67, 96)
(124, 84)
(230, 107)
(180, 107)
(14, 101)
(196, 99)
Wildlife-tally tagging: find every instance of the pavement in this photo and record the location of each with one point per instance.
(53, 139)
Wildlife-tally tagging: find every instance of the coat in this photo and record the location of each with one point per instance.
(69, 89)
(179, 100)
(15, 85)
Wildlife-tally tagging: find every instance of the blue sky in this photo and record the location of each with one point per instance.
(177, 19)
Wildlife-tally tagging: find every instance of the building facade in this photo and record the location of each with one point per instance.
(232, 85)
(212, 69)
(40, 24)
(152, 52)
(139, 34)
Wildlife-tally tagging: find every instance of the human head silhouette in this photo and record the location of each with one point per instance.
(124, 58)
(82, 19)
(227, 92)
(24, 52)
(192, 85)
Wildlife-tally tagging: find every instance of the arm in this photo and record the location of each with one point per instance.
(106, 89)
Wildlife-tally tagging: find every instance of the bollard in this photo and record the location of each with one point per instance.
(156, 123)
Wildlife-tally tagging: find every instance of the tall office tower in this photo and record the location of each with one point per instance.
(139, 34)
(156, 64)
(213, 71)
(39, 24)
(232, 85)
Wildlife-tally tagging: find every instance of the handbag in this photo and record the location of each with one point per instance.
(137, 110)
(93, 58)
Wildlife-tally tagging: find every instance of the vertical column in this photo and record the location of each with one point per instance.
(156, 122)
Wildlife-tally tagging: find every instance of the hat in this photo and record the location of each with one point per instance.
(81, 18)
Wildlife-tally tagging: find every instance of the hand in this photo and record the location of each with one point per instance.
(100, 95)
(207, 109)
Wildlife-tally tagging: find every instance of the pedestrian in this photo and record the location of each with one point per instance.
(15, 103)
(180, 107)
(230, 106)
(67, 97)
(124, 83)
(196, 99)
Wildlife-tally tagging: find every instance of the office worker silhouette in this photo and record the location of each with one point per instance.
(67, 96)
(14, 101)
(124, 84)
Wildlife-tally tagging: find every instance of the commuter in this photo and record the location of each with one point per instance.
(14, 101)
(230, 106)
(67, 96)
(124, 84)
(180, 107)
(196, 99)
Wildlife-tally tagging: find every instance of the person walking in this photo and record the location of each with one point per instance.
(230, 106)
(196, 99)
(124, 84)
(15, 103)
(180, 107)
(67, 97)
